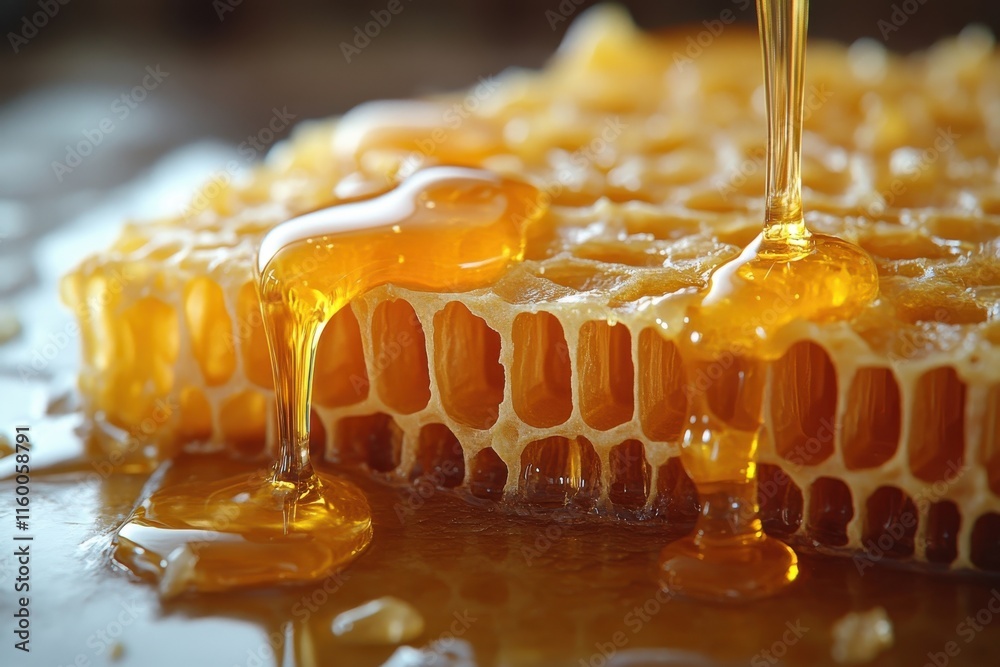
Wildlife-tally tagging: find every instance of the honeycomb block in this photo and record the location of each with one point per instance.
(561, 384)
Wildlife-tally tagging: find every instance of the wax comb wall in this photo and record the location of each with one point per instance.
(560, 383)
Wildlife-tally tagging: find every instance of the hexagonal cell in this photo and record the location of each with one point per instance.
(541, 373)
(941, 533)
(210, 329)
(487, 475)
(990, 449)
(467, 364)
(146, 343)
(606, 381)
(252, 338)
(831, 508)
(340, 377)
(630, 474)
(890, 522)
(439, 457)
(985, 541)
(804, 404)
(195, 423)
(780, 501)
(937, 432)
(558, 471)
(373, 440)
(400, 361)
(872, 419)
(662, 402)
(676, 495)
(733, 387)
(243, 420)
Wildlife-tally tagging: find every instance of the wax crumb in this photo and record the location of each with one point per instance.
(385, 621)
(859, 637)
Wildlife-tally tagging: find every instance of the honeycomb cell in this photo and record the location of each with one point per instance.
(372, 440)
(890, 523)
(733, 386)
(662, 402)
(558, 471)
(146, 341)
(340, 376)
(252, 339)
(804, 404)
(991, 439)
(941, 532)
(210, 329)
(400, 357)
(937, 431)
(676, 495)
(606, 378)
(541, 373)
(487, 475)
(831, 508)
(195, 423)
(243, 420)
(780, 501)
(872, 419)
(439, 457)
(985, 551)
(467, 364)
(630, 474)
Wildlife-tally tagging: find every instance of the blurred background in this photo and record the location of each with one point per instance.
(134, 81)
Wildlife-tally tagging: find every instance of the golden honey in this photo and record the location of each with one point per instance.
(566, 380)
(444, 228)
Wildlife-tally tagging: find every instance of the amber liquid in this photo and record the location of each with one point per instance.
(444, 229)
(785, 274)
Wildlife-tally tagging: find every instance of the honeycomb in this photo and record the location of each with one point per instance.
(560, 384)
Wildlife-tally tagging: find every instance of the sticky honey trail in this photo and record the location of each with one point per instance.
(443, 229)
(786, 274)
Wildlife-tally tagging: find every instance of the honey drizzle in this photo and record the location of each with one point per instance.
(786, 274)
(444, 229)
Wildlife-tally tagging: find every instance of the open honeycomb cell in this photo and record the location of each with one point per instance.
(524, 392)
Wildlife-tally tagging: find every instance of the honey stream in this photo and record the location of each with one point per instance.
(785, 274)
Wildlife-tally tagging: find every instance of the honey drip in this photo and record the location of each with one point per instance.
(786, 274)
(443, 229)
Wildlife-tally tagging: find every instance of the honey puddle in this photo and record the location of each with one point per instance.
(443, 229)
(455, 229)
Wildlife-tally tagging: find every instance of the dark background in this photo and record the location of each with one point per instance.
(232, 61)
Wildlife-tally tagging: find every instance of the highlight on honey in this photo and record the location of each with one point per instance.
(562, 380)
